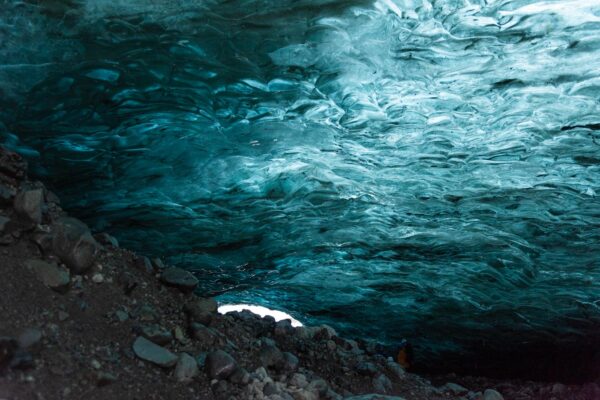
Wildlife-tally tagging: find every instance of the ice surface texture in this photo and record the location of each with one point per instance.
(420, 169)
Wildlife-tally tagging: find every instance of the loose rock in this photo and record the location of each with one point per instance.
(491, 394)
(156, 334)
(149, 351)
(179, 278)
(74, 245)
(220, 365)
(29, 203)
(186, 368)
(55, 277)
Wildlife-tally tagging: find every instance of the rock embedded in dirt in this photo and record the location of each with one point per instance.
(454, 388)
(179, 278)
(220, 365)
(186, 368)
(491, 394)
(50, 274)
(74, 244)
(203, 333)
(240, 376)
(105, 378)
(29, 204)
(151, 352)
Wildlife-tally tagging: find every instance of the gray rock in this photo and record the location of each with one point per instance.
(270, 355)
(74, 245)
(30, 339)
(55, 277)
(107, 240)
(186, 368)
(289, 362)
(144, 264)
(158, 264)
(491, 394)
(367, 368)
(151, 352)
(271, 389)
(105, 378)
(29, 204)
(283, 328)
(220, 365)
(382, 384)
(179, 278)
(299, 381)
(7, 194)
(319, 386)
(454, 388)
(121, 315)
(204, 334)
(395, 368)
(240, 376)
(157, 334)
(201, 309)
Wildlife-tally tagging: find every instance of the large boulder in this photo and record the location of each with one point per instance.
(74, 244)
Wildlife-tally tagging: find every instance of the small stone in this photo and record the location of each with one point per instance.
(270, 355)
(63, 316)
(95, 364)
(30, 339)
(220, 365)
(158, 264)
(382, 384)
(144, 264)
(283, 328)
(146, 313)
(121, 315)
(240, 376)
(53, 276)
(271, 389)
(331, 346)
(98, 278)
(186, 368)
(204, 334)
(491, 394)
(179, 278)
(7, 194)
(105, 378)
(179, 335)
(149, 351)
(156, 334)
(289, 362)
(455, 388)
(29, 203)
(299, 381)
(107, 240)
(367, 368)
(319, 386)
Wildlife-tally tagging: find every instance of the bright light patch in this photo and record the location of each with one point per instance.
(259, 310)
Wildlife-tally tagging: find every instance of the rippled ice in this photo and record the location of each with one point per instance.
(397, 168)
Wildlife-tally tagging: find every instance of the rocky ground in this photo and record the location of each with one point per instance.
(82, 318)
